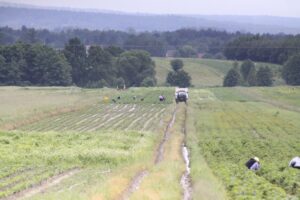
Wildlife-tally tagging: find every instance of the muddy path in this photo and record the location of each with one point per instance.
(138, 178)
(186, 178)
(160, 150)
(43, 186)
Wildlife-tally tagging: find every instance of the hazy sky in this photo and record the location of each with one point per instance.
(228, 7)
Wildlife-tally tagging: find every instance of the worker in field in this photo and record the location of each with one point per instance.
(295, 162)
(253, 164)
(161, 98)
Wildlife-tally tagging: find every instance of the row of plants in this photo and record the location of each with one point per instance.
(235, 129)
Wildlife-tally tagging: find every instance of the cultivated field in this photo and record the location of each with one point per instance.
(109, 144)
(99, 135)
(231, 126)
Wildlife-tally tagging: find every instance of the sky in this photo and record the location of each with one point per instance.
(289, 8)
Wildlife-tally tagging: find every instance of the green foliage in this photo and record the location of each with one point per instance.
(134, 66)
(232, 78)
(148, 82)
(114, 50)
(291, 70)
(147, 42)
(264, 76)
(176, 64)
(75, 53)
(99, 65)
(251, 78)
(246, 67)
(263, 48)
(23, 64)
(178, 77)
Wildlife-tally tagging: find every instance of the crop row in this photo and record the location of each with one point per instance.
(102, 117)
(231, 132)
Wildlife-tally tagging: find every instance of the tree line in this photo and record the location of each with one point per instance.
(37, 64)
(182, 42)
(263, 48)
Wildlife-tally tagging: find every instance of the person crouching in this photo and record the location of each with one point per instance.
(253, 164)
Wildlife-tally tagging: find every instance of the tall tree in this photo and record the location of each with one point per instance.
(246, 67)
(75, 52)
(134, 66)
(251, 78)
(178, 77)
(99, 65)
(49, 67)
(232, 78)
(176, 64)
(264, 76)
(291, 70)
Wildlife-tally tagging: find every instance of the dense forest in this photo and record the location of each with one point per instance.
(206, 43)
(264, 48)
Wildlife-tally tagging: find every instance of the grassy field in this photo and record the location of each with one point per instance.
(204, 72)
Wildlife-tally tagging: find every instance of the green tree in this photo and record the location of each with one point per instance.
(291, 70)
(148, 82)
(184, 79)
(99, 65)
(75, 53)
(264, 76)
(251, 78)
(246, 67)
(10, 73)
(114, 50)
(49, 67)
(134, 66)
(176, 64)
(232, 78)
(178, 77)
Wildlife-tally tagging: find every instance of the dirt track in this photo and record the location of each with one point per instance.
(138, 178)
(185, 181)
(43, 186)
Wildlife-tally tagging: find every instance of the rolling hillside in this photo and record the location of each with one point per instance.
(204, 72)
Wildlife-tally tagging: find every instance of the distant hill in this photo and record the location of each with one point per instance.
(15, 16)
(205, 72)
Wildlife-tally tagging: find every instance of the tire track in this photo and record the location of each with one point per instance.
(160, 150)
(138, 178)
(186, 178)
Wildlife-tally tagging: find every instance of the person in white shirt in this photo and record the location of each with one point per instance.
(295, 162)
